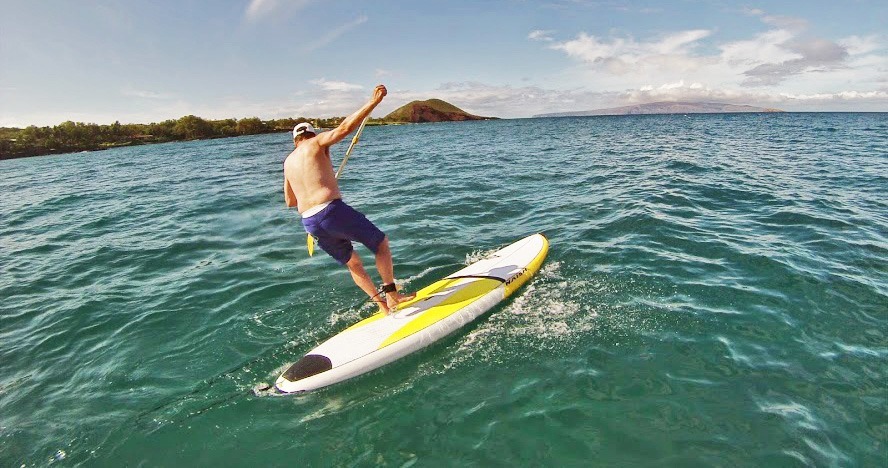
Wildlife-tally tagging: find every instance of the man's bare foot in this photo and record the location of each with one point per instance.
(383, 305)
(392, 299)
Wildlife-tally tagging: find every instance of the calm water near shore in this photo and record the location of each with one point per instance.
(716, 293)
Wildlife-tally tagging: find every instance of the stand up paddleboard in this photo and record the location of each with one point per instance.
(435, 312)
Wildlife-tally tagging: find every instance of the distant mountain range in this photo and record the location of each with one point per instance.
(431, 110)
(666, 108)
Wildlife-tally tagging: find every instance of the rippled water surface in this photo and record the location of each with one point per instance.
(716, 293)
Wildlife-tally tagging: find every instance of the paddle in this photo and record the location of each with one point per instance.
(310, 240)
(351, 146)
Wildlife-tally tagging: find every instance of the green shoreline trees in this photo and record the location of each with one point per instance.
(70, 137)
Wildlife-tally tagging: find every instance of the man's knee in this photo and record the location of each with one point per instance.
(383, 246)
(354, 262)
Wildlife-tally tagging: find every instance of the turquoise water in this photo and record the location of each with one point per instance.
(716, 293)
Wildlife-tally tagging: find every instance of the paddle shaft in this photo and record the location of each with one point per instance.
(352, 146)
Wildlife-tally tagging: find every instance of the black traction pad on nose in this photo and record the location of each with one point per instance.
(308, 366)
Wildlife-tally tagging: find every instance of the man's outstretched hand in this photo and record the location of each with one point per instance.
(379, 93)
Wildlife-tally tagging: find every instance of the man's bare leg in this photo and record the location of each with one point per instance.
(386, 270)
(362, 279)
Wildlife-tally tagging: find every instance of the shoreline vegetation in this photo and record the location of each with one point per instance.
(75, 137)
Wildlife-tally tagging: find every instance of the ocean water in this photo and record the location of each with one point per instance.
(716, 294)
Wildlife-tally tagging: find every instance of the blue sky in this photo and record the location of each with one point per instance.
(101, 61)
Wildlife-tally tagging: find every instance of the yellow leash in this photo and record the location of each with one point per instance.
(310, 241)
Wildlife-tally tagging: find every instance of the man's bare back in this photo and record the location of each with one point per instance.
(308, 172)
(308, 176)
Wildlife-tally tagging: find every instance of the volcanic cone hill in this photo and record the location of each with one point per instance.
(431, 110)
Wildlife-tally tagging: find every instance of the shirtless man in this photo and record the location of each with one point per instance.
(310, 185)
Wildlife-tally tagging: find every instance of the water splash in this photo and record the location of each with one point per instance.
(547, 314)
(477, 255)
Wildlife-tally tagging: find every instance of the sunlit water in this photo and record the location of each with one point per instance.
(716, 293)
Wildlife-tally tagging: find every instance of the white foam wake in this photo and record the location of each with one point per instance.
(547, 314)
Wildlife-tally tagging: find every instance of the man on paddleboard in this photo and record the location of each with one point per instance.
(310, 185)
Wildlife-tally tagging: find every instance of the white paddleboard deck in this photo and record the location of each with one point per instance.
(435, 312)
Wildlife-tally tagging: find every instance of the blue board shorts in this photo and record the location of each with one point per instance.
(337, 225)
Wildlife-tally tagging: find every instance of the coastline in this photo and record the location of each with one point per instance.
(79, 137)
(189, 129)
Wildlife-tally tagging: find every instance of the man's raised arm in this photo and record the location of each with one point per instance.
(352, 122)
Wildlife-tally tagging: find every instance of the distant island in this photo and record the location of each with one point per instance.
(70, 137)
(667, 107)
(432, 110)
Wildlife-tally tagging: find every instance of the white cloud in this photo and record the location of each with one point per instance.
(590, 49)
(129, 91)
(624, 55)
(258, 9)
(540, 35)
(679, 43)
(786, 22)
(753, 11)
(334, 33)
(338, 86)
(327, 104)
(842, 96)
(814, 55)
(856, 45)
(762, 48)
(785, 59)
(840, 100)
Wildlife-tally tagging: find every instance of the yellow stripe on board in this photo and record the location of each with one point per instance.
(462, 298)
(367, 320)
(420, 295)
(466, 294)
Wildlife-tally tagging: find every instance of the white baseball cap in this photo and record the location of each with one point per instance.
(302, 128)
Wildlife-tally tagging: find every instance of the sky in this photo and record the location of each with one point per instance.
(139, 62)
